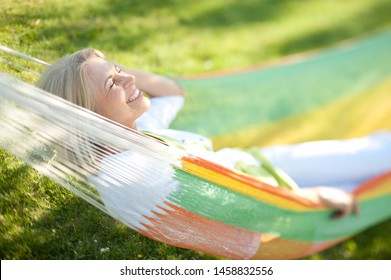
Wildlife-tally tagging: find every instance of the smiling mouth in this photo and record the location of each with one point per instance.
(136, 94)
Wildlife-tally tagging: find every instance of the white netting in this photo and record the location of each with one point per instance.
(72, 146)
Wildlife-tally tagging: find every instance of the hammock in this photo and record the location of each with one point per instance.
(202, 206)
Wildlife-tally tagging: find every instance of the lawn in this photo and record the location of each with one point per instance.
(41, 220)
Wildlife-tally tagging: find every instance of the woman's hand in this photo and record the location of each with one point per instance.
(153, 84)
(345, 203)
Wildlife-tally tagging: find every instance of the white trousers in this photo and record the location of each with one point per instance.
(336, 163)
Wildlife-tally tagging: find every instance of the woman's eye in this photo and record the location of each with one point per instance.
(112, 84)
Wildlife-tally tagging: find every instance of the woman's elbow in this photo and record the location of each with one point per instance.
(178, 89)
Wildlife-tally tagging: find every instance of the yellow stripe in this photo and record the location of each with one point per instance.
(245, 189)
(382, 189)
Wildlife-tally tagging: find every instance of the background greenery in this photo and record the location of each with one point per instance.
(41, 220)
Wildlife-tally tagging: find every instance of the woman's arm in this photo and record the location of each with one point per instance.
(153, 84)
(345, 203)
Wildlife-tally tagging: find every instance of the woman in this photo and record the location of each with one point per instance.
(321, 169)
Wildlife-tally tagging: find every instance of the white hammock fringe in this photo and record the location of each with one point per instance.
(36, 124)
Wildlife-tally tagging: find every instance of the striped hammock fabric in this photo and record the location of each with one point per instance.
(183, 200)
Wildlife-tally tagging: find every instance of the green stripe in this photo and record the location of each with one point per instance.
(218, 203)
(246, 100)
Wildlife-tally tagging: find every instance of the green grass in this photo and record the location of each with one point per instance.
(41, 220)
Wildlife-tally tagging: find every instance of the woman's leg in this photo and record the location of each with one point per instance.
(334, 162)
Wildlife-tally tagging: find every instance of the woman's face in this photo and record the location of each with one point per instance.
(116, 94)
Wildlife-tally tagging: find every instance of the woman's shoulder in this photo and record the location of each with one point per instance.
(161, 113)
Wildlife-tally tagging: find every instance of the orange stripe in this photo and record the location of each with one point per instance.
(181, 228)
(288, 59)
(251, 182)
(256, 67)
(274, 248)
(377, 186)
(371, 185)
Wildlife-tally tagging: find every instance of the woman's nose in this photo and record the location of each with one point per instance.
(127, 80)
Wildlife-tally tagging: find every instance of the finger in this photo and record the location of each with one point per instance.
(336, 215)
(340, 214)
(356, 207)
(345, 211)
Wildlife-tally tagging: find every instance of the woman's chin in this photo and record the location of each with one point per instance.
(140, 108)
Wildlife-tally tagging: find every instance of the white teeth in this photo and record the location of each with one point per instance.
(137, 92)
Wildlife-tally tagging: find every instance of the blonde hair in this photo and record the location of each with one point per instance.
(68, 78)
